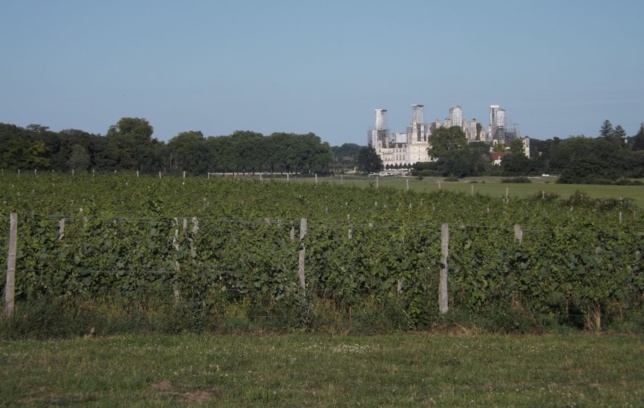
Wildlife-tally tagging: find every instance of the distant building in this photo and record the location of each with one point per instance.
(401, 149)
(407, 148)
(456, 116)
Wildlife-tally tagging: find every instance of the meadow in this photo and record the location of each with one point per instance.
(493, 187)
(296, 370)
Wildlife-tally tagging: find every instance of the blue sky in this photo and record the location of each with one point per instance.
(559, 68)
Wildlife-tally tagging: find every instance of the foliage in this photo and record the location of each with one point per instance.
(369, 161)
(606, 129)
(445, 140)
(129, 145)
(212, 245)
(516, 180)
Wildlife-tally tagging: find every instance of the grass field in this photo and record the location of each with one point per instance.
(312, 370)
(492, 186)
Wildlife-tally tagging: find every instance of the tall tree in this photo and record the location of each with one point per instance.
(188, 151)
(638, 139)
(368, 160)
(607, 129)
(516, 146)
(619, 133)
(445, 139)
(133, 137)
(79, 159)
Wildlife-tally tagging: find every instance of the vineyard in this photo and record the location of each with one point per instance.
(315, 256)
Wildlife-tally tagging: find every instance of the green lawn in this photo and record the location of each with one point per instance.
(313, 370)
(492, 186)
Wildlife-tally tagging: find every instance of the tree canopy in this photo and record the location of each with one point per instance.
(445, 140)
(369, 161)
(129, 145)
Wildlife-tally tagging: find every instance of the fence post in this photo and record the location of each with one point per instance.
(442, 297)
(11, 265)
(195, 230)
(61, 228)
(177, 266)
(300, 270)
(518, 233)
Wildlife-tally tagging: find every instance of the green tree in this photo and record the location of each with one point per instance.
(444, 140)
(368, 160)
(587, 170)
(79, 159)
(517, 164)
(619, 133)
(638, 140)
(516, 146)
(137, 148)
(104, 153)
(188, 151)
(137, 129)
(607, 129)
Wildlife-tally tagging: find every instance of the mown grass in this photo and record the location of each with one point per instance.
(492, 186)
(319, 370)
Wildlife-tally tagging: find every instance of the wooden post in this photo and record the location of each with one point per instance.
(620, 217)
(442, 296)
(137, 174)
(61, 228)
(439, 186)
(287, 177)
(184, 174)
(159, 174)
(407, 180)
(177, 265)
(518, 233)
(195, 230)
(11, 265)
(377, 181)
(316, 179)
(300, 271)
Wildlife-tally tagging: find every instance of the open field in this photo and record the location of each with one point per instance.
(312, 370)
(493, 187)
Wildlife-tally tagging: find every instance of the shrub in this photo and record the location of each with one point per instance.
(516, 180)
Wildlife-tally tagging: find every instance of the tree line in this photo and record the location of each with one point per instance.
(607, 158)
(129, 145)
